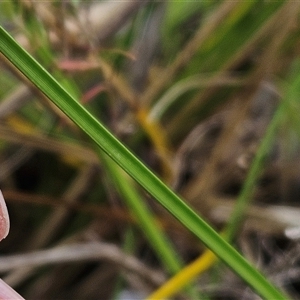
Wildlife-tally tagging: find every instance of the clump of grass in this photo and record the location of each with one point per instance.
(192, 116)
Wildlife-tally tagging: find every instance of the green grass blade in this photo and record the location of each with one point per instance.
(147, 222)
(119, 153)
(255, 171)
(159, 242)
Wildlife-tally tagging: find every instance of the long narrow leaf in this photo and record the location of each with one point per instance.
(118, 152)
(159, 242)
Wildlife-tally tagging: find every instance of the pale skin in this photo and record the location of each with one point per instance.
(6, 292)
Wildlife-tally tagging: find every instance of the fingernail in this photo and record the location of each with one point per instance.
(4, 218)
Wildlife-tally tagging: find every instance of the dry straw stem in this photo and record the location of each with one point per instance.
(35, 91)
(41, 142)
(118, 83)
(55, 221)
(267, 65)
(183, 57)
(78, 253)
(160, 141)
(91, 24)
(260, 35)
(52, 224)
(204, 184)
(264, 218)
(152, 127)
(189, 83)
(16, 99)
(111, 214)
(271, 219)
(103, 211)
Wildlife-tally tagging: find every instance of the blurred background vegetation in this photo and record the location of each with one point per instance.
(191, 87)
